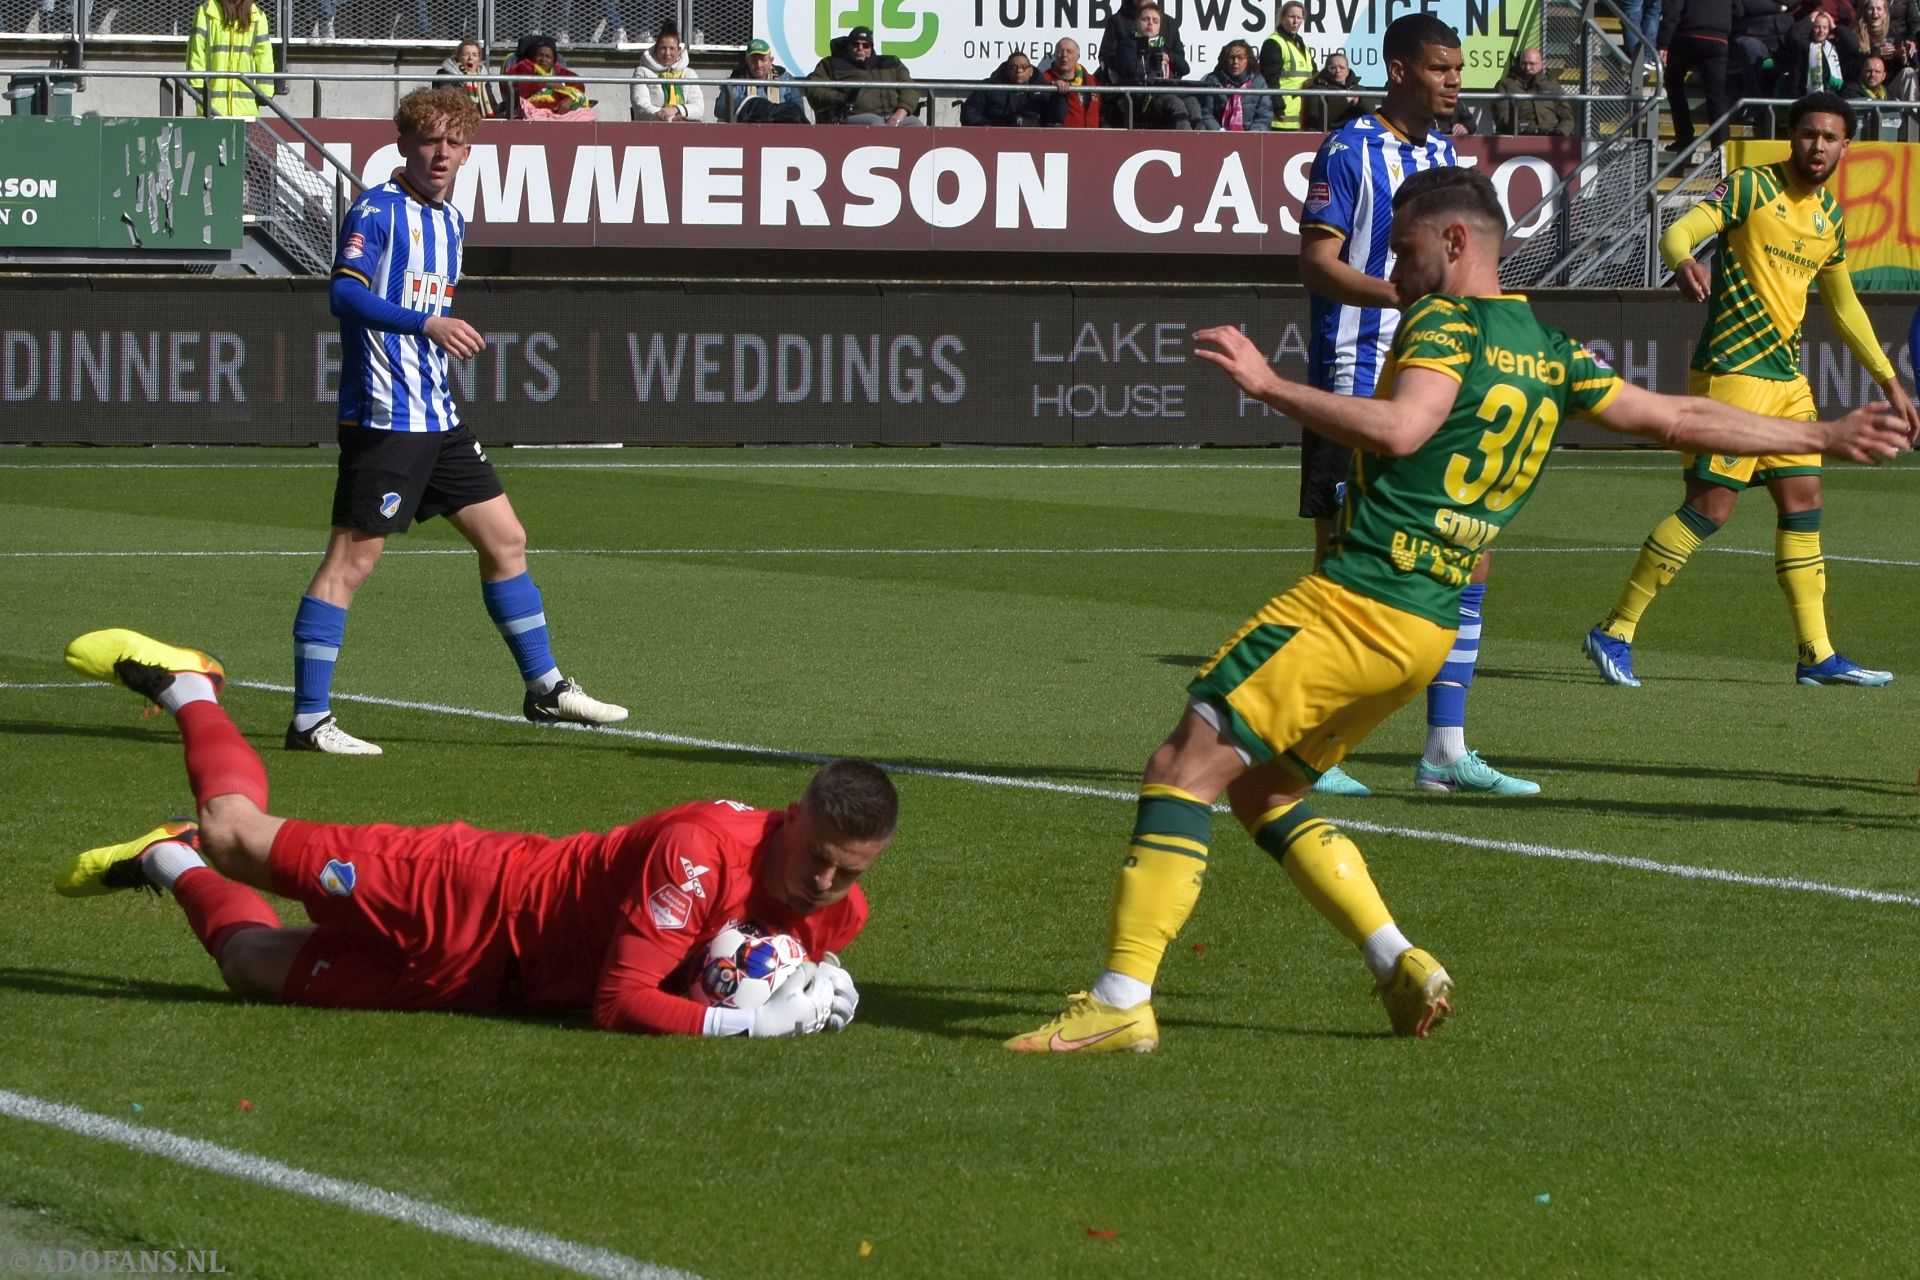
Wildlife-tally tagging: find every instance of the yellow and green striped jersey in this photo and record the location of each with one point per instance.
(1411, 528)
(1775, 237)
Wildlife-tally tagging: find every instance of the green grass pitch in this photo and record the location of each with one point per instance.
(1647, 1074)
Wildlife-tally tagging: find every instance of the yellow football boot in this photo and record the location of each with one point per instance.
(1091, 1027)
(117, 866)
(1416, 996)
(141, 663)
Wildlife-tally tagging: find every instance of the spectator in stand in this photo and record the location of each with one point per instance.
(1874, 125)
(1841, 57)
(1286, 63)
(1532, 115)
(1468, 120)
(1693, 41)
(558, 96)
(1140, 48)
(1824, 59)
(1010, 99)
(665, 89)
(230, 35)
(1232, 108)
(1887, 29)
(1755, 60)
(1076, 108)
(1323, 114)
(853, 57)
(1640, 20)
(460, 71)
(761, 103)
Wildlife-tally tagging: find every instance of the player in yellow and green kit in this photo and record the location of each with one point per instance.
(1780, 230)
(1444, 456)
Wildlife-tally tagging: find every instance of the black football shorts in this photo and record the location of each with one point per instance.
(389, 479)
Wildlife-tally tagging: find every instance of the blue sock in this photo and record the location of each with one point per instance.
(318, 630)
(1447, 695)
(514, 605)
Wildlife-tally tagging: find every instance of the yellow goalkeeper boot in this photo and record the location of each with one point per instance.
(141, 663)
(1416, 996)
(117, 866)
(1091, 1027)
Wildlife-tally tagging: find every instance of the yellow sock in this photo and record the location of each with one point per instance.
(1160, 881)
(1326, 868)
(1662, 556)
(1802, 573)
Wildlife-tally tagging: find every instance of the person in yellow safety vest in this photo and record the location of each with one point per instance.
(231, 35)
(1287, 63)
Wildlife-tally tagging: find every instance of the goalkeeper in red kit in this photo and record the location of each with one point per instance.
(452, 917)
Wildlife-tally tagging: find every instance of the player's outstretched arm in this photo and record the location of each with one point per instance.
(1395, 428)
(1872, 434)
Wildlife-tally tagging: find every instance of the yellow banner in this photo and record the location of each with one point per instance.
(1874, 188)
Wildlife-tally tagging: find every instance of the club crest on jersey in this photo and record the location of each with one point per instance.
(669, 907)
(389, 503)
(1819, 225)
(356, 246)
(693, 871)
(337, 878)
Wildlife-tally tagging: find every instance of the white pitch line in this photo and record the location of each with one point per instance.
(649, 552)
(1524, 849)
(359, 1196)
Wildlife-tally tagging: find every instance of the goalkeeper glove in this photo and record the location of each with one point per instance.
(846, 997)
(799, 1008)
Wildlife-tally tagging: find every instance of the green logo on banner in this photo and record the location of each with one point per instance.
(897, 29)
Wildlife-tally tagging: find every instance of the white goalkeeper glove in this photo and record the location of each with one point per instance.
(799, 1008)
(846, 997)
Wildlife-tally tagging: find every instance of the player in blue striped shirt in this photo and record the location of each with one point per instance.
(1344, 263)
(404, 453)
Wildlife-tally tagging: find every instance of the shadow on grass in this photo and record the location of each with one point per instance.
(1585, 675)
(955, 1012)
(96, 986)
(1710, 773)
(155, 731)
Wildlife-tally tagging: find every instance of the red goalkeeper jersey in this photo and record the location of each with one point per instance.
(615, 921)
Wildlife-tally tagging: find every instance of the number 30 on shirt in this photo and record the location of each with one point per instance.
(1500, 483)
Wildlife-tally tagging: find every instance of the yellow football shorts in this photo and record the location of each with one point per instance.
(1769, 396)
(1310, 675)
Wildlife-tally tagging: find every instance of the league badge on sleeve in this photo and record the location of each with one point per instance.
(355, 247)
(1319, 196)
(669, 907)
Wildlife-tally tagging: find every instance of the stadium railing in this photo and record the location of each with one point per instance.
(607, 24)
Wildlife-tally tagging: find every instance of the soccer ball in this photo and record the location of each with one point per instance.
(744, 965)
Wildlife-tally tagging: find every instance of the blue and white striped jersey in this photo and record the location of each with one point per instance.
(1350, 192)
(406, 250)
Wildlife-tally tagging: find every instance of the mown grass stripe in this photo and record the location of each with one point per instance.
(1525, 849)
